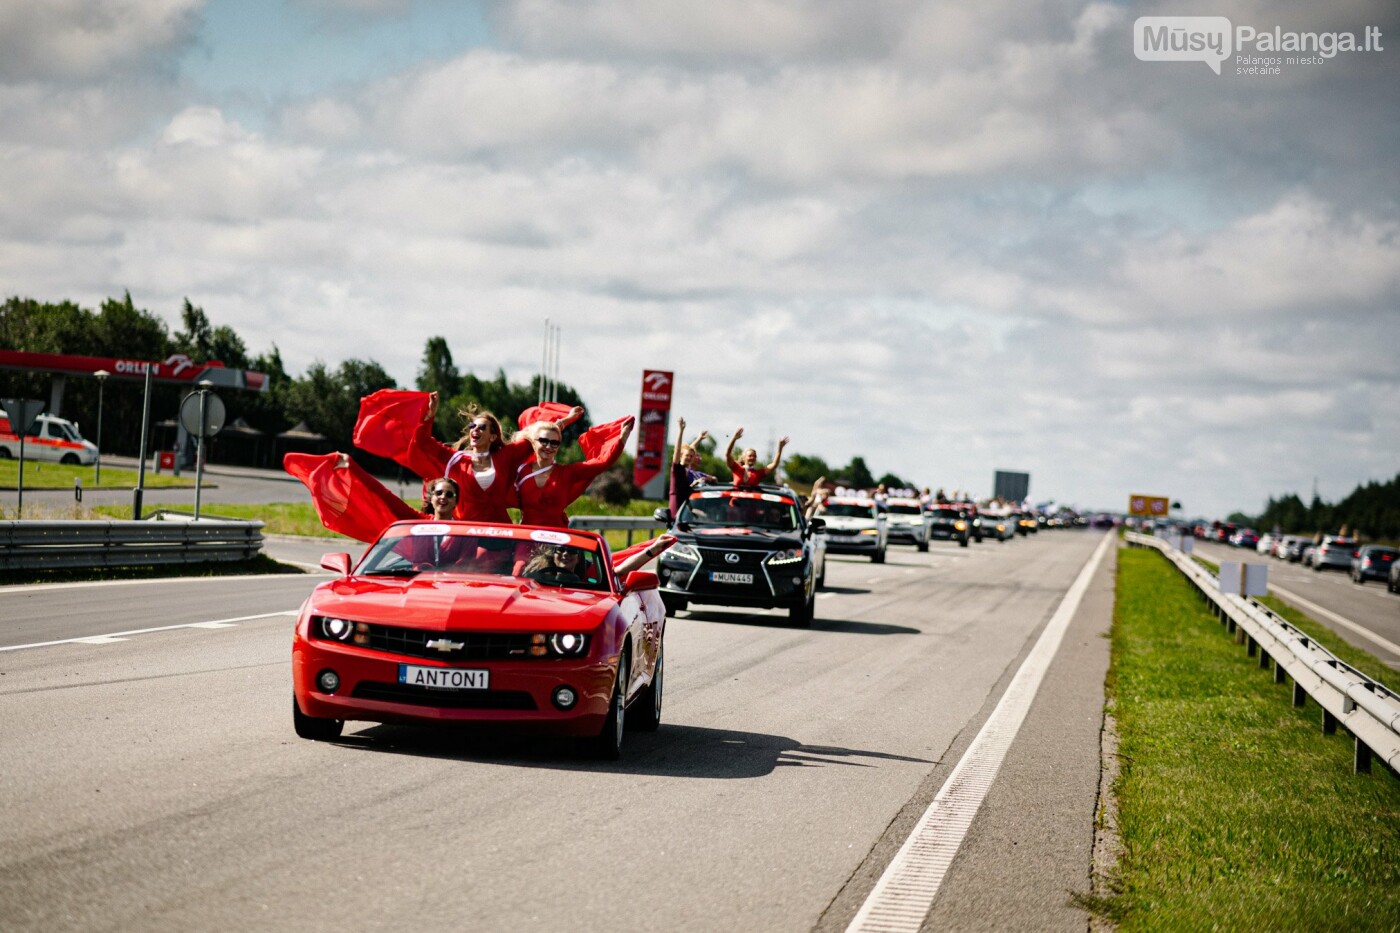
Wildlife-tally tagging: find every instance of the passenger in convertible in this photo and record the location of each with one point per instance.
(546, 488)
(746, 470)
(398, 424)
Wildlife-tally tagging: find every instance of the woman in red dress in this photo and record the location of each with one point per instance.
(545, 488)
(398, 424)
(746, 470)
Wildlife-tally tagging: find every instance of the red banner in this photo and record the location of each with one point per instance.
(651, 426)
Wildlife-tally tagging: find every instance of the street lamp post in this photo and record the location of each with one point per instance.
(101, 375)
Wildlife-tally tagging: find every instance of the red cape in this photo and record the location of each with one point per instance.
(347, 499)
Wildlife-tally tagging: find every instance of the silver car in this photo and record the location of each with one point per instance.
(1334, 551)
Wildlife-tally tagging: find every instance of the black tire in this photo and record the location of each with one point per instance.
(5, 454)
(674, 604)
(801, 615)
(878, 557)
(69, 460)
(962, 542)
(646, 713)
(607, 744)
(821, 580)
(922, 546)
(313, 728)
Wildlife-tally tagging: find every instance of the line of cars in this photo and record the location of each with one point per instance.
(1362, 562)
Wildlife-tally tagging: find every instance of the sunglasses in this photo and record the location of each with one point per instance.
(548, 442)
(474, 428)
(443, 492)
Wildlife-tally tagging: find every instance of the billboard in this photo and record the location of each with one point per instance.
(1011, 487)
(1149, 506)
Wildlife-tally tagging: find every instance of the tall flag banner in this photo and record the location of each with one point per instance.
(651, 434)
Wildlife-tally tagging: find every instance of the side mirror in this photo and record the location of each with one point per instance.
(336, 563)
(639, 580)
(662, 515)
(818, 526)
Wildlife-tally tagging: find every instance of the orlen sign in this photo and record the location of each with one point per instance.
(176, 368)
(651, 437)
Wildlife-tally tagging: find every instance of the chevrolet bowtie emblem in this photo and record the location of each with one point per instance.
(444, 644)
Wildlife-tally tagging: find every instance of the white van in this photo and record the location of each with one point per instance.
(49, 438)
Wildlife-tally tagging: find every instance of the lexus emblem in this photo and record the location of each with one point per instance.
(731, 558)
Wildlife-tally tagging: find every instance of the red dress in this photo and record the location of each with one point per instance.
(391, 425)
(545, 505)
(745, 476)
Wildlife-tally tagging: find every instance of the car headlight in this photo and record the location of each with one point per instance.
(790, 556)
(681, 553)
(870, 531)
(568, 644)
(961, 526)
(333, 628)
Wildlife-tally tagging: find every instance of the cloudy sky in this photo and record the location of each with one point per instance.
(951, 239)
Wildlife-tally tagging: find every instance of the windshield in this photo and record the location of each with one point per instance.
(947, 514)
(905, 509)
(750, 510)
(556, 565)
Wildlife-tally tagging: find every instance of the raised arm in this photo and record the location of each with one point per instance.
(680, 440)
(778, 457)
(729, 460)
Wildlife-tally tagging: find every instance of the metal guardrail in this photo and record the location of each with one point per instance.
(628, 523)
(169, 539)
(1365, 708)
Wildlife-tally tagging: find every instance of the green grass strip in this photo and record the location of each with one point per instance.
(1235, 811)
(42, 474)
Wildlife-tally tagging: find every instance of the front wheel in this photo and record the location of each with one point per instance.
(922, 546)
(962, 542)
(801, 615)
(314, 728)
(647, 715)
(69, 460)
(607, 744)
(878, 557)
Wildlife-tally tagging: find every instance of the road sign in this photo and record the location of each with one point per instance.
(214, 414)
(1151, 506)
(22, 413)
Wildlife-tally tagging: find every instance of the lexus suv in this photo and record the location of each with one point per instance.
(743, 546)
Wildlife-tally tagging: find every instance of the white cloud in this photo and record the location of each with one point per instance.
(82, 40)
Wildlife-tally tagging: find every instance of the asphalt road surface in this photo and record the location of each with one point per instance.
(151, 779)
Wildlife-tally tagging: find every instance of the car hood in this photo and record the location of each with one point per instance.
(431, 601)
(842, 523)
(740, 538)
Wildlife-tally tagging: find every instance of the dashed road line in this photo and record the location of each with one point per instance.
(1344, 622)
(115, 637)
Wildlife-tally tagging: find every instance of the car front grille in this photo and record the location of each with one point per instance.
(475, 646)
(444, 699)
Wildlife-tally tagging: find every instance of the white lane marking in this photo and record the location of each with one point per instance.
(85, 584)
(1346, 623)
(902, 897)
(115, 637)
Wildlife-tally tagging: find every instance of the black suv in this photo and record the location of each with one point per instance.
(743, 546)
(949, 521)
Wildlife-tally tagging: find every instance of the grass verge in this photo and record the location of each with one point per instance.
(1235, 812)
(41, 474)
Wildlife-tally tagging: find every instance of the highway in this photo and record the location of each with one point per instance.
(1366, 615)
(151, 779)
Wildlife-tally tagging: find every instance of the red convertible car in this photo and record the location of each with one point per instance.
(455, 622)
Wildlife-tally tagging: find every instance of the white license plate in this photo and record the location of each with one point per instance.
(444, 678)
(720, 576)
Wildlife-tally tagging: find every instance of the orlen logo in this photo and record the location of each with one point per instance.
(1206, 39)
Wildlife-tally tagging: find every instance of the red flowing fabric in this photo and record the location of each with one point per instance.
(545, 411)
(347, 499)
(745, 476)
(389, 419)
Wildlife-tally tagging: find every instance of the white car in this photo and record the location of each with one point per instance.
(48, 438)
(907, 522)
(855, 526)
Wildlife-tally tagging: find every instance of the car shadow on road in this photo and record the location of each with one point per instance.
(677, 750)
(820, 624)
